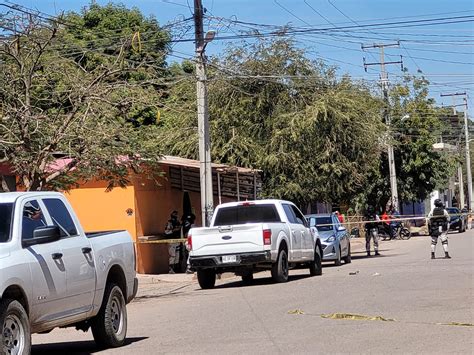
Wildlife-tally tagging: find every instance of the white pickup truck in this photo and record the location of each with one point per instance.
(247, 236)
(52, 274)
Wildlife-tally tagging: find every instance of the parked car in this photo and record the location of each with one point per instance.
(335, 239)
(52, 274)
(245, 237)
(457, 220)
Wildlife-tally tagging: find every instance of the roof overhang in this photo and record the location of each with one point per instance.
(445, 147)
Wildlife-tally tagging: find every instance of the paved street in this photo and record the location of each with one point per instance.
(423, 296)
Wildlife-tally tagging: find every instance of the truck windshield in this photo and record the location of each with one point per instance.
(6, 210)
(246, 214)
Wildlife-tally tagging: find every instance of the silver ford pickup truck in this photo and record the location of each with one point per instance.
(53, 274)
(253, 235)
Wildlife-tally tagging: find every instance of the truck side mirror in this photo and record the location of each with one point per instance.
(43, 235)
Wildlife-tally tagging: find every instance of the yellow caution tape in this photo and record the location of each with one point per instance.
(457, 324)
(296, 311)
(161, 241)
(355, 317)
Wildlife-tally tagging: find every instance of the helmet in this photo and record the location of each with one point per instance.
(438, 203)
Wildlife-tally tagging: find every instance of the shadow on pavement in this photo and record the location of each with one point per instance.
(382, 255)
(75, 347)
(260, 281)
(146, 297)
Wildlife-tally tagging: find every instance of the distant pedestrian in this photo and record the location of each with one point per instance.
(173, 227)
(371, 230)
(173, 230)
(386, 223)
(438, 225)
(188, 223)
(340, 217)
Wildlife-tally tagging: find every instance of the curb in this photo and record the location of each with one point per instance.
(147, 279)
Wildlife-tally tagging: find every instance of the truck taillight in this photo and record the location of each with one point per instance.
(189, 244)
(267, 237)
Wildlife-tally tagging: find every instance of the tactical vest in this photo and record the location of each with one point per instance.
(371, 217)
(438, 220)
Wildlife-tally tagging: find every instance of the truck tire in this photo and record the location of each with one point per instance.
(206, 278)
(247, 278)
(109, 327)
(315, 267)
(280, 268)
(15, 333)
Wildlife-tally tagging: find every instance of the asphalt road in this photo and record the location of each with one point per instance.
(423, 297)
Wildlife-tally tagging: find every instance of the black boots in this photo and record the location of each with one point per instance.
(446, 255)
(377, 253)
(368, 253)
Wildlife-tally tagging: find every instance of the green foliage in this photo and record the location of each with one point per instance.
(76, 91)
(416, 122)
(313, 139)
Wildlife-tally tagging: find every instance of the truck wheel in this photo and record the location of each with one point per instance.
(15, 334)
(109, 327)
(247, 278)
(315, 267)
(280, 268)
(206, 278)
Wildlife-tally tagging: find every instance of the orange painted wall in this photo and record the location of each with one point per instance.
(154, 204)
(151, 204)
(100, 210)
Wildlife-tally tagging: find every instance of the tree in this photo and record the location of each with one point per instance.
(314, 136)
(76, 93)
(416, 126)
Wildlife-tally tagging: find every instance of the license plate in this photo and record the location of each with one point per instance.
(229, 258)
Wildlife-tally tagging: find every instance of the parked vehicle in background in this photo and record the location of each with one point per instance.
(457, 220)
(52, 274)
(335, 239)
(245, 237)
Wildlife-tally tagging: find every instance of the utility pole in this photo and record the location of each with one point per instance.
(460, 174)
(384, 84)
(205, 169)
(468, 158)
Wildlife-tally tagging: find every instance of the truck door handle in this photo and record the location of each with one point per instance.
(57, 256)
(86, 250)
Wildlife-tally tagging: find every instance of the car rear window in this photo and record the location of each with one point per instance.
(6, 210)
(324, 223)
(246, 214)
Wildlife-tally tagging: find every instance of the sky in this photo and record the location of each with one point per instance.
(444, 53)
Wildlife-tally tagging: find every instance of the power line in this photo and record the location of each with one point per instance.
(297, 31)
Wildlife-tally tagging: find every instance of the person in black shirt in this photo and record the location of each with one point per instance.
(371, 229)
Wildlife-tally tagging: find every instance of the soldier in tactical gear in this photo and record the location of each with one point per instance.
(438, 226)
(371, 229)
